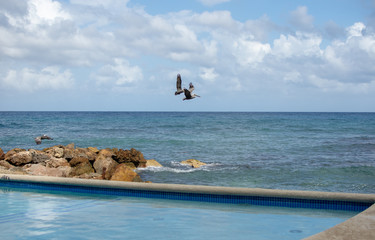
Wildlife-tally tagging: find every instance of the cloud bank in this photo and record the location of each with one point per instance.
(46, 44)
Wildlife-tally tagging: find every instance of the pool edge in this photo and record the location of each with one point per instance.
(361, 226)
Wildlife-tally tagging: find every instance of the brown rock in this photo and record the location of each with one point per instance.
(2, 154)
(20, 158)
(81, 166)
(131, 156)
(106, 153)
(193, 163)
(57, 162)
(105, 165)
(5, 164)
(70, 146)
(124, 173)
(153, 163)
(93, 149)
(39, 156)
(40, 170)
(12, 152)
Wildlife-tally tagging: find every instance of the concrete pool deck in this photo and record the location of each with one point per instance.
(361, 226)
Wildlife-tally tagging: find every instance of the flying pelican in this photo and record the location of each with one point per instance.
(38, 140)
(188, 93)
(178, 85)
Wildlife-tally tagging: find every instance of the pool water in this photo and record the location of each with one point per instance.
(37, 214)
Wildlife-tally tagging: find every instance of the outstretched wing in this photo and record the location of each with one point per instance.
(46, 137)
(178, 83)
(187, 93)
(191, 87)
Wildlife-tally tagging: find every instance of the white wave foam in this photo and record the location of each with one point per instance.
(177, 167)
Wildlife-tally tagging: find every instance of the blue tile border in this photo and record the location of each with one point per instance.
(193, 196)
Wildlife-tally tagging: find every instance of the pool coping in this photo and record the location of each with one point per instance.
(361, 226)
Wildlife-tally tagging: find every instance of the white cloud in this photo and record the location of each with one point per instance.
(302, 44)
(119, 74)
(212, 2)
(356, 30)
(31, 80)
(39, 12)
(301, 19)
(248, 51)
(208, 74)
(212, 46)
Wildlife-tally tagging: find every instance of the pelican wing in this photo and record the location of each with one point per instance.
(187, 93)
(178, 83)
(46, 137)
(191, 87)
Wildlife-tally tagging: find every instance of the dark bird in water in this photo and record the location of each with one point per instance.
(178, 85)
(187, 92)
(38, 140)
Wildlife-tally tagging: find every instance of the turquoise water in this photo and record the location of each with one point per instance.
(302, 151)
(26, 214)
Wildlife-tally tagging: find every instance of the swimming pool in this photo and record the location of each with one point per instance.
(42, 210)
(40, 214)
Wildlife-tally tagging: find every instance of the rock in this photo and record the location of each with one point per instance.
(105, 165)
(130, 156)
(153, 163)
(81, 166)
(5, 164)
(93, 149)
(106, 153)
(39, 156)
(57, 162)
(124, 173)
(58, 152)
(55, 151)
(70, 146)
(40, 170)
(2, 154)
(13, 151)
(193, 163)
(20, 158)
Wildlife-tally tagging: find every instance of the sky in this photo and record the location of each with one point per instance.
(241, 55)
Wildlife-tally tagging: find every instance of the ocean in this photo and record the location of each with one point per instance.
(302, 151)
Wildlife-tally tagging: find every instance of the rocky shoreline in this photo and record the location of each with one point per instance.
(89, 163)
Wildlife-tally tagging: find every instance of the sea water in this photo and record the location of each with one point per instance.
(301, 151)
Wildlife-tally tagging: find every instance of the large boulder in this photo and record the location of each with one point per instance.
(20, 158)
(124, 173)
(80, 166)
(153, 163)
(193, 163)
(69, 153)
(13, 151)
(40, 170)
(5, 164)
(56, 151)
(39, 156)
(2, 154)
(105, 165)
(130, 157)
(57, 162)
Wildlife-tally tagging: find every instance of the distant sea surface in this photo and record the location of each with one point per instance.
(301, 151)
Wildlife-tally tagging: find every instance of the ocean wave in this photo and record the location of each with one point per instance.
(177, 167)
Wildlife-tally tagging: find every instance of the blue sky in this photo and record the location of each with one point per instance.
(124, 55)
